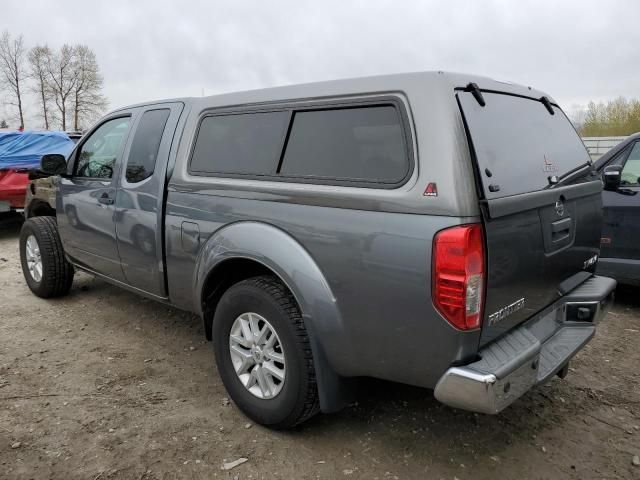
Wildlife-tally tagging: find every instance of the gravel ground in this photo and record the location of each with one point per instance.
(103, 384)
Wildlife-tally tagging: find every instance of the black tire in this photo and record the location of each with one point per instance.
(268, 297)
(57, 272)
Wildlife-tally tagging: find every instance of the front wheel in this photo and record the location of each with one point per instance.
(44, 266)
(263, 353)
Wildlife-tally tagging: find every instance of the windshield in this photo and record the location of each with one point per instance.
(519, 144)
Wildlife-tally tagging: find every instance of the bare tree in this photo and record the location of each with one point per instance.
(39, 58)
(63, 77)
(87, 98)
(4, 124)
(12, 69)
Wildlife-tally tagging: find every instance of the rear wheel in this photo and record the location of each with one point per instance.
(263, 353)
(44, 266)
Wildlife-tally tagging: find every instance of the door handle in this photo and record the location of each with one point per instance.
(560, 229)
(105, 199)
(561, 225)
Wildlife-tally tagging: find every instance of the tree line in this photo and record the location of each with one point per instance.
(619, 117)
(65, 84)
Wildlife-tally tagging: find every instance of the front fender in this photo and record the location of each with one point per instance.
(289, 260)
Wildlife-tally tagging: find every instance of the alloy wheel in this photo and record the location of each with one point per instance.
(257, 355)
(34, 259)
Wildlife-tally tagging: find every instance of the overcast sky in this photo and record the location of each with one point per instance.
(575, 50)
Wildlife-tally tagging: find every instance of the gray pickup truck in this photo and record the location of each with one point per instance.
(434, 229)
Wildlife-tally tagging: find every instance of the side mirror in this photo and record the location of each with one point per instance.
(611, 176)
(53, 164)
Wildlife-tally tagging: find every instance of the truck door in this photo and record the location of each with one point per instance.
(140, 198)
(621, 229)
(86, 204)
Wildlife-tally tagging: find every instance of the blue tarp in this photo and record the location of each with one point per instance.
(20, 150)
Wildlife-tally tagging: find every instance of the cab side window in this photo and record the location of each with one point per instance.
(355, 145)
(631, 169)
(241, 144)
(146, 143)
(365, 144)
(97, 156)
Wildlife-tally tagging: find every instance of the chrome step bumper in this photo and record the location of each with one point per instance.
(530, 354)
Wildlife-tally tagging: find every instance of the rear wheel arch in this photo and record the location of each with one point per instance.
(263, 248)
(220, 278)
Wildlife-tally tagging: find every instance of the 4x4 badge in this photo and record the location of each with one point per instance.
(590, 261)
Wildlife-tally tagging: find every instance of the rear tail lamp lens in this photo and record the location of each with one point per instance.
(459, 275)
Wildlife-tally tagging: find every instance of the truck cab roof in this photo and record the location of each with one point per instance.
(407, 82)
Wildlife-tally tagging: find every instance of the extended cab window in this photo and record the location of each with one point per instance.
(97, 156)
(146, 142)
(631, 169)
(519, 144)
(347, 144)
(246, 143)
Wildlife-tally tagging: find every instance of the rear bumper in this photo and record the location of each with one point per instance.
(530, 354)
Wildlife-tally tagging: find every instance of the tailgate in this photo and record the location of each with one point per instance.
(542, 235)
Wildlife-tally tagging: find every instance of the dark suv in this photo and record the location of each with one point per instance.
(620, 243)
(426, 228)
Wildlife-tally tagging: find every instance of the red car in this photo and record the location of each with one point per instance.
(13, 187)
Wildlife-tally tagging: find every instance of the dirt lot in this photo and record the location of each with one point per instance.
(103, 384)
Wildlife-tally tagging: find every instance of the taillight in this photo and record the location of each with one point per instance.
(459, 275)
